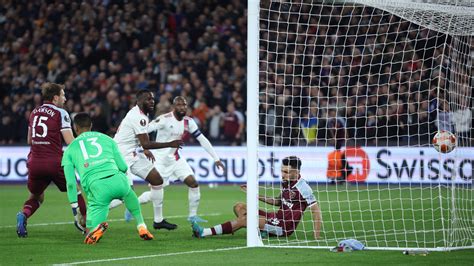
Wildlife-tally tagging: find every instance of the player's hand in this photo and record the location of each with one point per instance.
(220, 165)
(78, 218)
(243, 188)
(176, 144)
(149, 155)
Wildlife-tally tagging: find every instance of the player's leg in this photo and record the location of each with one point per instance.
(60, 181)
(101, 193)
(228, 227)
(133, 206)
(37, 184)
(157, 196)
(194, 196)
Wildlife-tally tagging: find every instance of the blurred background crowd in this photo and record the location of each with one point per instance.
(359, 75)
(104, 51)
(367, 77)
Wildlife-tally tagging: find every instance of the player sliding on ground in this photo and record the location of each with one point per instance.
(296, 195)
(102, 170)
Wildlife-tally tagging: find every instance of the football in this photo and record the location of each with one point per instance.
(444, 141)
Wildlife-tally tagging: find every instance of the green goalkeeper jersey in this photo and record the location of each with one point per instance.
(95, 156)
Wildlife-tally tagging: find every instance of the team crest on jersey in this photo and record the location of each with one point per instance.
(292, 194)
(143, 122)
(86, 165)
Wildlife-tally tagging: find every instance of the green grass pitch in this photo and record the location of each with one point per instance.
(53, 239)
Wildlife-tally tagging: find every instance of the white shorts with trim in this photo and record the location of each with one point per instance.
(173, 170)
(140, 166)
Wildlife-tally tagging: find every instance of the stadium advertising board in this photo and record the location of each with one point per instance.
(371, 164)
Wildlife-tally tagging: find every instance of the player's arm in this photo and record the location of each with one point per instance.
(118, 158)
(316, 213)
(146, 144)
(67, 135)
(28, 138)
(206, 144)
(71, 185)
(271, 201)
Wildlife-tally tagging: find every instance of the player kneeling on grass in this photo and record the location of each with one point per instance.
(101, 167)
(296, 195)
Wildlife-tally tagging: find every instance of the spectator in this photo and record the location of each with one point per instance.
(104, 53)
(233, 124)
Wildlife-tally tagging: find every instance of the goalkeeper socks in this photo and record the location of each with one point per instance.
(156, 195)
(82, 204)
(145, 197)
(115, 203)
(133, 206)
(194, 195)
(30, 206)
(221, 229)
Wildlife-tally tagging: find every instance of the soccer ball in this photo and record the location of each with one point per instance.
(444, 141)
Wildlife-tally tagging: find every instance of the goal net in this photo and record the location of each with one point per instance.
(376, 80)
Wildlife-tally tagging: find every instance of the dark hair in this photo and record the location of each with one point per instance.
(179, 98)
(49, 90)
(292, 161)
(142, 93)
(82, 120)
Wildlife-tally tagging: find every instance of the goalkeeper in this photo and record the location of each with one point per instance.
(101, 167)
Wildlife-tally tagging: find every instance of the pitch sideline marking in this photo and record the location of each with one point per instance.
(152, 256)
(111, 220)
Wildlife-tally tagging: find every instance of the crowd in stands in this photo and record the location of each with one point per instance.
(104, 51)
(358, 75)
(370, 75)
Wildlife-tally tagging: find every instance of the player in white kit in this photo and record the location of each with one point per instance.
(170, 164)
(132, 135)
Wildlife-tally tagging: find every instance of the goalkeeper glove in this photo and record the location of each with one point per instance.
(78, 218)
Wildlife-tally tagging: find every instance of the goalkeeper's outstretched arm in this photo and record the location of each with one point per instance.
(316, 213)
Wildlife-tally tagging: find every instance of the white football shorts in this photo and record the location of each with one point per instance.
(173, 170)
(138, 165)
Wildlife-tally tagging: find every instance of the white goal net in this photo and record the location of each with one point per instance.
(374, 80)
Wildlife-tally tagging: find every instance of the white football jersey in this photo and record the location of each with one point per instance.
(135, 122)
(168, 129)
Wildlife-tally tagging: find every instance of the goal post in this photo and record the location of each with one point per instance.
(375, 79)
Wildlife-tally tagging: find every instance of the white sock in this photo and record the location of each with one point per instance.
(156, 196)
(208, 231)
(145, 197)
(115, 203)
(194, 195)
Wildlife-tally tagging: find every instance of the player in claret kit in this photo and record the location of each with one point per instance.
(48, 125)
(102, 169)
(296, 195)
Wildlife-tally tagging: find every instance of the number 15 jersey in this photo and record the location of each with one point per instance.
(45, 124)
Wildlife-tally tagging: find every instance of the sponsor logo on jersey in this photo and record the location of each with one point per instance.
(66, 118)
(287, 203)
(292, 194)
(143, 122)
